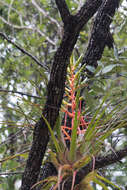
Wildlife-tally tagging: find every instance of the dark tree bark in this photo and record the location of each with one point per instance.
(55, 90)
(47, 170)
(100, 35)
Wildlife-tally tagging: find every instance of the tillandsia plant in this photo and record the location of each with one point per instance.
(86, 137)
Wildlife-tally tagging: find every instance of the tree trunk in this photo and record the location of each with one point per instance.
(55, 90)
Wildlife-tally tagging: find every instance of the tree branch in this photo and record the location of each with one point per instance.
(18, 133)
(100, 35)
(15, 10)
(13, 25)
(63, 9)
(100, 162)
(45, 14)
(30, 27)
(11, 173)
(23, 50)
(21, 93)
(86, 10)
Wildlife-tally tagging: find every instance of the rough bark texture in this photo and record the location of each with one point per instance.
(55, 89)
(48, 169)
(100, 35)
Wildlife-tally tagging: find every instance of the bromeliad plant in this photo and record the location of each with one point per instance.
(86, 139)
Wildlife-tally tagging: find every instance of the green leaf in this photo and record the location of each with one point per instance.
(58, 149)
(91, 130)
(108, 69)
(107, 181)
(95, 180)
(78, 61)
(59, 134)
(68, 4)
(82, 162)
(92, 124)
(91, 68)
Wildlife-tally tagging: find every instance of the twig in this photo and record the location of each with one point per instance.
(9, 10)
(14, 156)
(14, 26)
(46, 37)
(30, 27)
(45, 14)
(21, 93)
(23, 50)
(100, 34)
(8, 5)
(14, 136)
(11, 173)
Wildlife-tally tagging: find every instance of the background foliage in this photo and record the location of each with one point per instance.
(36, 27)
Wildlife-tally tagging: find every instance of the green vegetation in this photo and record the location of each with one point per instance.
(30, 34)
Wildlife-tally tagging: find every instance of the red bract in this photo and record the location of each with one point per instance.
(71, 108)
